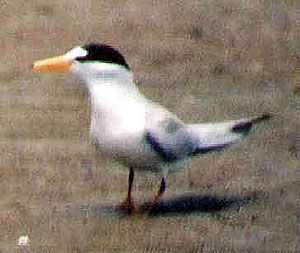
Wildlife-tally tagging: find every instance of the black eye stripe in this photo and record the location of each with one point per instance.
(103, 53)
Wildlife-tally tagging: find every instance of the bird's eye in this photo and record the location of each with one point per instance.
(80, 58)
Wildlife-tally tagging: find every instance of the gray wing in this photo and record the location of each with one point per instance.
(173, 140)
(216, 136)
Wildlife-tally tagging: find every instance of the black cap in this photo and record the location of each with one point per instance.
(103, 53)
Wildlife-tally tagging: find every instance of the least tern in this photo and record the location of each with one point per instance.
(132, 129)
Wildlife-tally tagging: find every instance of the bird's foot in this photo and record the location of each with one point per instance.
(127, 205)
(149, 206)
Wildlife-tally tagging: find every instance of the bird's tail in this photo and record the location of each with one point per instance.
(214, 136)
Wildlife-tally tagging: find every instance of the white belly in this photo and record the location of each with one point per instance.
(120, 135)
(131, 150)
(119, 120)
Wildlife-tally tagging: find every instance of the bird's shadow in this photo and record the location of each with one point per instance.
(181, 205)
(198, 203)
(201, 204)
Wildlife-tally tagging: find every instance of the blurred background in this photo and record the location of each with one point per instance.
(205, 61)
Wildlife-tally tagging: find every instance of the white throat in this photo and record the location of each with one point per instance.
(114, 98)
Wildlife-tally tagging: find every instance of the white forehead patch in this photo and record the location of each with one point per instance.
(76, 52)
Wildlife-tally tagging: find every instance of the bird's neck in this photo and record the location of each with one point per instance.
(106, 77)
(113, 94)
(116, 104)
(118, 86)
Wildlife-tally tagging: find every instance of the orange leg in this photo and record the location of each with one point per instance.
(161, 190)
(128, 203)
(159, 193)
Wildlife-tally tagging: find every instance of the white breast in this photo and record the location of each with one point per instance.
(117, 121)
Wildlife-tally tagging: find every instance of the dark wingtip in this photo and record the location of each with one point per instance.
(264, 116)
(245, 127)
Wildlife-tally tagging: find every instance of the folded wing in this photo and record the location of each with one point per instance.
(173, 140)
(215, 136)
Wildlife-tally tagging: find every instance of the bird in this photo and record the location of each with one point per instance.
(127, 126)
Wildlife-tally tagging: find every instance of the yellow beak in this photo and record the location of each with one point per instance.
(58, 63)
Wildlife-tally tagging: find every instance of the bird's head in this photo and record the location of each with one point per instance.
(84, 60)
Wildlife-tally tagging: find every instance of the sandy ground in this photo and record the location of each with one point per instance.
(204, 60)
